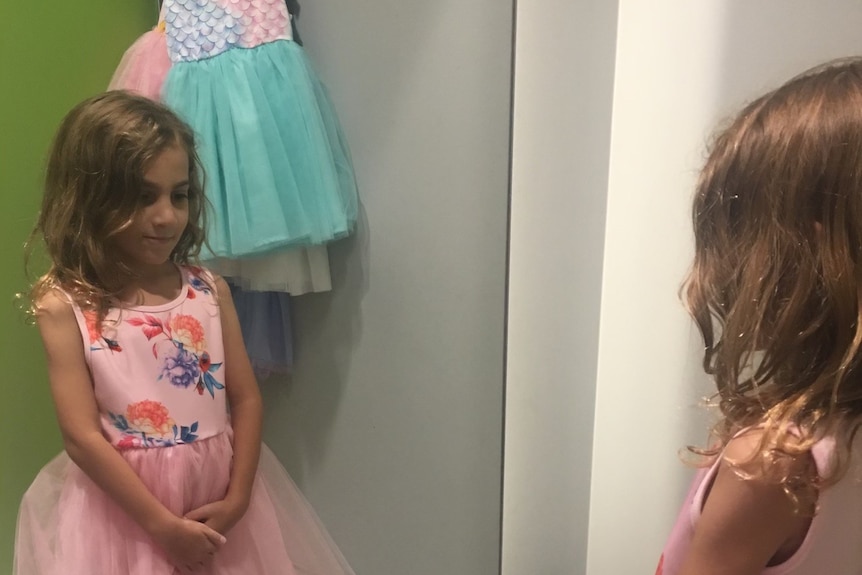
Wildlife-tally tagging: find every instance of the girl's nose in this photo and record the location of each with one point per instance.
(164, 213)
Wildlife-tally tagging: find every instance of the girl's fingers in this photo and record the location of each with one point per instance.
(200, 514)
(214, 536)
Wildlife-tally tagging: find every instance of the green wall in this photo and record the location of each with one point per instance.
(52, 55)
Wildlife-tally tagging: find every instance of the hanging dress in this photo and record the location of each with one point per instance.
(278, 169)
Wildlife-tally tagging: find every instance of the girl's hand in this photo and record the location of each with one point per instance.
(190, 545)
(219, 515)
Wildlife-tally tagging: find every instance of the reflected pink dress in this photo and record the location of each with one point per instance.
(158, 379)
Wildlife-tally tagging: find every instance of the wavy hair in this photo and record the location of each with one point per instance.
(92, 185)
(776, 283)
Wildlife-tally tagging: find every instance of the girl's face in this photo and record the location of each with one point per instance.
(162, 214)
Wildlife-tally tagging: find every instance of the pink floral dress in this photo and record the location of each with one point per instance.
(158, 370)
(158, 378)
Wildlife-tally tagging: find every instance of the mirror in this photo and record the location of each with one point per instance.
(391, 422)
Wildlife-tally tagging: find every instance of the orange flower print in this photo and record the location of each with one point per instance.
(95, 335)
(129, 442)
(147, 423)
(188, 331)
(151, 418)
(93, 331)
(185, 360)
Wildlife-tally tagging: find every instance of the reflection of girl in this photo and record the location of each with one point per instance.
(776, 291)
(155, 478)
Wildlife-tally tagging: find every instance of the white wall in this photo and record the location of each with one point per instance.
(564, 66)
(680, 67)
(392, 424)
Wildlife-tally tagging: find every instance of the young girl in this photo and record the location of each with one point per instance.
(776, 291)
(144, 358)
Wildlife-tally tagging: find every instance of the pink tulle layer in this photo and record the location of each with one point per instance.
(67, 525)
(144, 66)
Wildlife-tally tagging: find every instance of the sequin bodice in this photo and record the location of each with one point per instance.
(198, 29)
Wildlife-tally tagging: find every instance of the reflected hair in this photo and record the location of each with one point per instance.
(94, 177)
(776, 282)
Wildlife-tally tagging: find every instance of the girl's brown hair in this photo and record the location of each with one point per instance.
(92, 187)
(776, 283)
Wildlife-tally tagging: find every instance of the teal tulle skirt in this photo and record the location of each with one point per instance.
(278, 169)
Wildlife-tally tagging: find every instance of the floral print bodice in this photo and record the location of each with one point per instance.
(198, 29)
(158, 371)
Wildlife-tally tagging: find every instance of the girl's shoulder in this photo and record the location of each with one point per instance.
(56, 318)
(742, 510)
(49, 298)
(756, 451)
(54, 304)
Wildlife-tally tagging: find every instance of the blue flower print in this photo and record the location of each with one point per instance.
(197, 283)
(181, 368)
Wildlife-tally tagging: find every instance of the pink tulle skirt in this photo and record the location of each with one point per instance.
(67, 525)
(144, 66)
